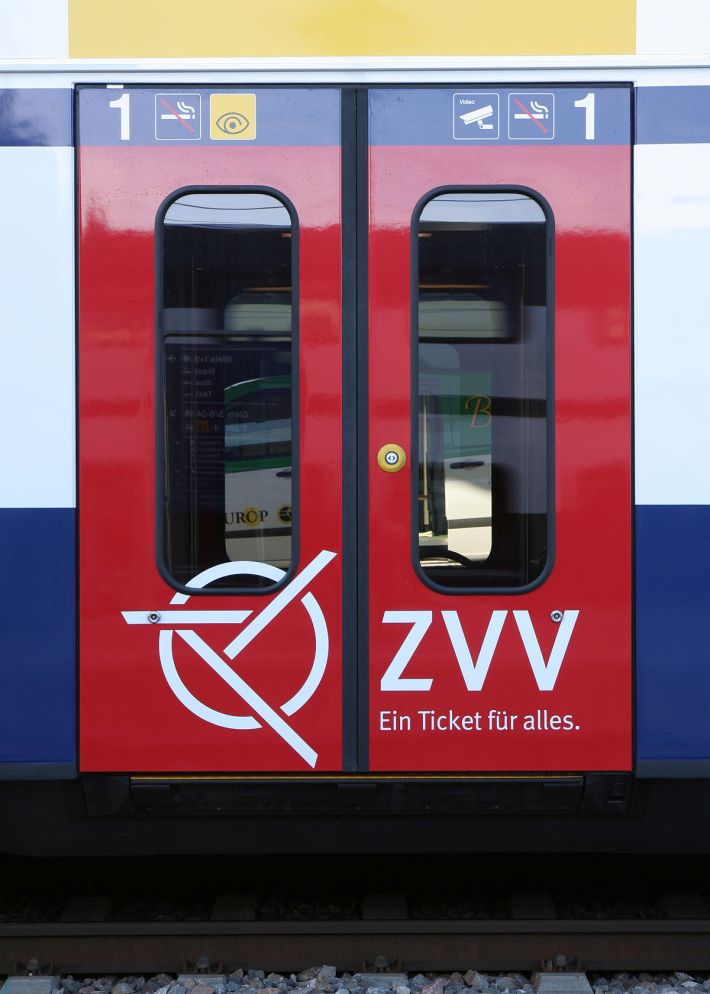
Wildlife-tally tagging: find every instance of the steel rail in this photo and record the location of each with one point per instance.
(413, 945)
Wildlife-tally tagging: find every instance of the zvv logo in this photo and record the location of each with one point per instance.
(175, 623)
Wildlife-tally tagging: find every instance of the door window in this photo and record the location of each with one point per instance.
(227, 341)
(482, 375)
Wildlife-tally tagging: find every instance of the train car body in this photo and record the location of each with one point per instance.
(345, 351)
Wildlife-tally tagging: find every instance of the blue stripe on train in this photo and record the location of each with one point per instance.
(283, 116)
(437, 116)
(36, 116)
(672, 115)
(37, 638)
(672, 646)
(664, 115)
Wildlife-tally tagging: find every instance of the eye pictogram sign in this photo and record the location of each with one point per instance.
(233, 116)
(175, 623)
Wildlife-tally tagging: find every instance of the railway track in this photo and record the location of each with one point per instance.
(98, 945)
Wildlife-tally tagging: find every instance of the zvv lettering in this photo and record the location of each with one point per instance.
(474, 673)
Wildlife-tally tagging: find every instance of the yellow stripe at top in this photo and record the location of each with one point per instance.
(273, 28)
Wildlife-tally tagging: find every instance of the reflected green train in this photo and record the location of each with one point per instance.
(257, 470)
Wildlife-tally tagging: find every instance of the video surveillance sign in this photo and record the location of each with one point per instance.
(476, 116)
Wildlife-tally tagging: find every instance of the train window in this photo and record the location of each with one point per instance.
(482, 457)
(227, 349)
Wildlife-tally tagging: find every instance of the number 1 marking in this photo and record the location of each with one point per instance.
(587, 104)
(123, 103)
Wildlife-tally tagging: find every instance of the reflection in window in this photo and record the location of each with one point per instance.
(482, 385)
(227, 353)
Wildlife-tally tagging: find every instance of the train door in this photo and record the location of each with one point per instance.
(499, 416)
(210, 430)
(238, 612)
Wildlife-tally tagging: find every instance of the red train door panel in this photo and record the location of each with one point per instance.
(218, 210)
(499, 384)
(494, 431)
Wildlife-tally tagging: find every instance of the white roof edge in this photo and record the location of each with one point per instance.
(354, 64)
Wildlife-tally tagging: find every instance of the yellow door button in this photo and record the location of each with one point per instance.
(391, 458)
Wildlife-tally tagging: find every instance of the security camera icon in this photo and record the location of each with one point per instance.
(479, 116)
